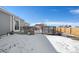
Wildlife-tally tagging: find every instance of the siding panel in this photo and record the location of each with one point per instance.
(4, 23)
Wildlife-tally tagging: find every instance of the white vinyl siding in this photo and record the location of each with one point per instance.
(4, 23)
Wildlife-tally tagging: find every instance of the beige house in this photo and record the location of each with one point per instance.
(10, 22)
(39, 28)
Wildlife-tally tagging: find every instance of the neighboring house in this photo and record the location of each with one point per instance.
(39, 28)
(9, 22)
(48, 30)
(44, 29)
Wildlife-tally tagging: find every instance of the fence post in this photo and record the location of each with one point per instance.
(48, 29)
(64, 30)
(42, 29)
(60, 29)
(54, 29)
(70, 30)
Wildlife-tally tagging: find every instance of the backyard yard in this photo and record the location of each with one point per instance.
(19, 43)
(38, 43)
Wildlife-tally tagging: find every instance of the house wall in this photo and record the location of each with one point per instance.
(8, 21)
(11, 23)
(4, 23)
(22, 24)
(14, 22)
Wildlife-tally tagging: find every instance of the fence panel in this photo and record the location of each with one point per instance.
(75, 31)
(59, 29)
(68, 30)
(62, 29)
(72, 31)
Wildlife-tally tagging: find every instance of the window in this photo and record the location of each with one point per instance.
(16, 25)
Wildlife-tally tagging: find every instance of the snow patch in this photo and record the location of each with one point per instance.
(64, 44)
(18, 43)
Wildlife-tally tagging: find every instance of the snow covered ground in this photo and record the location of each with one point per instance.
(64, 44)
(38, 43)
(25, 43)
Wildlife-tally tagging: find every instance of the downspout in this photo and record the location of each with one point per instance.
(12, 23)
